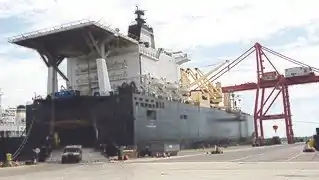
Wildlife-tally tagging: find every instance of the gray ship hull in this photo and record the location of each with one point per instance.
(186, 124)
(130, 119)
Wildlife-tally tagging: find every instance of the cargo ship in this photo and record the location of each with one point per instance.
(123, 91)
(12, 127)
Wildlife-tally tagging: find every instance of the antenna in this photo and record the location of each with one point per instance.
(139, 13)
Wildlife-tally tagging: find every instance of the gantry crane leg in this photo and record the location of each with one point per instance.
(261, 111)
(258, 111)
(287, 112)
(256, 119)
(262, 104)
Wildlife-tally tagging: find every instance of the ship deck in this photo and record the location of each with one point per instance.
(69, 40)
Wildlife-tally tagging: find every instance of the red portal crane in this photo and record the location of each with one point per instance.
(273, 79)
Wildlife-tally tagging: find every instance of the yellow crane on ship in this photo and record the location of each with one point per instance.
(201, 88)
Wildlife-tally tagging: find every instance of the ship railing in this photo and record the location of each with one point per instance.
(9, 128)
(45, 31)
(108, 28)
(65, 27)
(150, 52)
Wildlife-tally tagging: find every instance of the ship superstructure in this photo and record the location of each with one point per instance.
(155, 71)
(122, 90)
(12, 121)
(139, 62)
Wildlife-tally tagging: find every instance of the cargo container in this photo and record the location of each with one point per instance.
(268, 76)
(298, 71)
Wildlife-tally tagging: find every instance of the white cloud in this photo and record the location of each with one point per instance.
(20, 80)
(12, 49)
(217, 21)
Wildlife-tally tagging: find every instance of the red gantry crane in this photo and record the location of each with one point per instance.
(273, 79)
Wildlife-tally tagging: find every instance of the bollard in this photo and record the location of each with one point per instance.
(120, 153)
(8, 159)
(56, 139)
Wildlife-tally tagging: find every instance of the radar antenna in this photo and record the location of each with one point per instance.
(139, 13)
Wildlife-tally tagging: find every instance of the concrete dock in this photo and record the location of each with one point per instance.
(273, 162)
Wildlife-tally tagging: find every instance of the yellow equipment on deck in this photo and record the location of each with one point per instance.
(309, 146)
(217, 150)
(8, 162)
(9, 157)
(312, 143)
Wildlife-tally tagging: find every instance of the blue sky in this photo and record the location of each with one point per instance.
(209, 31)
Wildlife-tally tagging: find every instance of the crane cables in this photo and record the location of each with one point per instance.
(289, 59)
(18, 151)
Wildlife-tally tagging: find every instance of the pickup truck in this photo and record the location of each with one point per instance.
(72, 153)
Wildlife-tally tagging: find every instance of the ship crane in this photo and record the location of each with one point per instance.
(216, 91)
(277, 82)
(197, 80)
(203, 79)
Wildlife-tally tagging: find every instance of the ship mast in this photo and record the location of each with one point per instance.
(139, 13)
